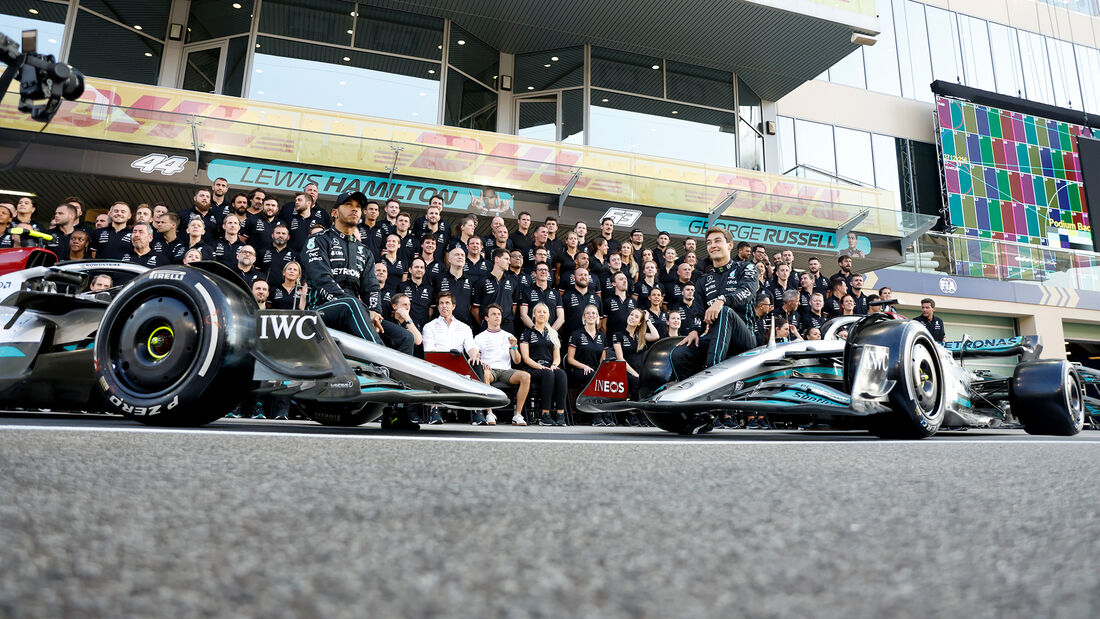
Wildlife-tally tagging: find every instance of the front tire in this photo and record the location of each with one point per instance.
(173, 349)
(1057, 412)
(917, 401)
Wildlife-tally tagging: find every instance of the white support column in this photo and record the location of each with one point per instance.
(506, 98)
(171, 63)
(771, 142)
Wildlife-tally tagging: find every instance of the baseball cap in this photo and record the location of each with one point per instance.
(635, 230)
(351, 195)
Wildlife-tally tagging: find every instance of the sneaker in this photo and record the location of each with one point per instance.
(518, 420)
(632, 420)
(609, 420)
(752, 424)
(729, 422)
(763, 424)
(258, 416)
(545, 420)
(282, 417)
(559, 419)
(413, 416)
(232, 415)
(435, 418)
(478, 419)
(718, 424)
(597, 420)
(491, 419)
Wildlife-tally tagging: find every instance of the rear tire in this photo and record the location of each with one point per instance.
(657, 373)
(917, 401)
(173, 349)
(1042, 410)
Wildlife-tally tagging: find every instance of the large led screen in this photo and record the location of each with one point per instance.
(1013, 177)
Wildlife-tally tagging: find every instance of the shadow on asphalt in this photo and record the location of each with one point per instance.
(456, 430)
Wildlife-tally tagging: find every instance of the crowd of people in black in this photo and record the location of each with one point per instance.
(538, 307)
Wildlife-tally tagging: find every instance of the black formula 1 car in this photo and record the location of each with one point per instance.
(184, 345)
(877, 373)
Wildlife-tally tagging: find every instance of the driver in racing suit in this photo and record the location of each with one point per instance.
(340, 272)
(724, 297)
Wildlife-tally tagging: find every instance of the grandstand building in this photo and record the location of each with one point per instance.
(946, 144)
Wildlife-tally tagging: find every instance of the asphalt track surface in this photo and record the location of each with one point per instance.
(101, 517)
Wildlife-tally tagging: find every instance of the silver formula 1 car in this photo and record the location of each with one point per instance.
(877, 373)
(182, 345)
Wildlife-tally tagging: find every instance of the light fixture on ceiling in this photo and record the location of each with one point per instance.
(259, 70)
(259, 92)
(530, 88)
(546, 65)
(349, 31)
(655, 67)
(12, 192)
(553, 58)
(148, 54)
(236, 5)
(33, 11)
(603, 100)
(675, 112)
(343, 83)
(136, 27)
(354, 14)
(431, 71)
(347, 59)
(339, 105)
(461, 42)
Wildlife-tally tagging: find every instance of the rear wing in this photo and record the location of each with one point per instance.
(1027, 346)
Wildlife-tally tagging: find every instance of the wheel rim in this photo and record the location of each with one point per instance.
(153, 343)
(1075, 403)
(924, 381)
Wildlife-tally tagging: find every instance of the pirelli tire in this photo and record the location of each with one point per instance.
(173, 349)
(657, 373)
(343, 415)
(1047, 396)
(918, 398)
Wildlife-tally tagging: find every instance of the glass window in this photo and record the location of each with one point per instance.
(311, 20)
(943, 41)
(233, 82)
(752, 147)
(148, 17)
(555, 68)
(1037, 82)
(916, 65)
(849, 71)
(537, 118)
(853, 156)
(1088, 60)
(814, 147)
(48, 19)
(1007, 67)
(662, 128)
(787, 159)
(881, 59)
(469, 104)
(627, 72)
(976, 58)
(1067, 89)
(398, 32)
(335, 79)
(212, 19)
(699, 85)
(473, 57)
(130, 57)
(749, 103)
(572, 116)
(887, 174)
(200, 71)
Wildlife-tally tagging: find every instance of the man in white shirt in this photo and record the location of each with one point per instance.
(447, 333)
(499, 350)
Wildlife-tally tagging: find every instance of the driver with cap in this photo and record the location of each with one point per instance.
(340, 272)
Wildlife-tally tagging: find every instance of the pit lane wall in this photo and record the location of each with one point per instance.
(169, 119)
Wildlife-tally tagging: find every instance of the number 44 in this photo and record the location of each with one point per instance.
(160, 163)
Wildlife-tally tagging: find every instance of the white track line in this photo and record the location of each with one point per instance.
(658, 440)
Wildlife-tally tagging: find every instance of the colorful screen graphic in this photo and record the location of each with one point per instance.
(1013, 177)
